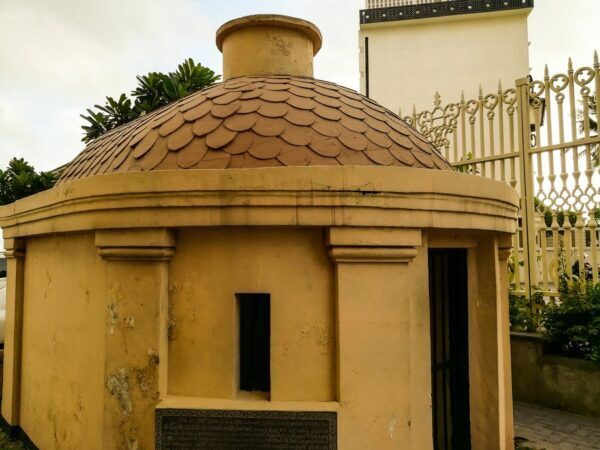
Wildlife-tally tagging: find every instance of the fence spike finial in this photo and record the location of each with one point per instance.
(499, 85)
(570, 64)
(480, 91)
(596, 60)
(546, 72)
(414, 109)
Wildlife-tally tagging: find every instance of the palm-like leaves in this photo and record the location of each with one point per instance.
(154, 91)
(21, 180)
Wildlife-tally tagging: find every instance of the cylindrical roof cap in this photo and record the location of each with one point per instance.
(268, 44)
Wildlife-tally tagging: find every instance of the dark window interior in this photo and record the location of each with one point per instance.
(255, 342)
(448, 290)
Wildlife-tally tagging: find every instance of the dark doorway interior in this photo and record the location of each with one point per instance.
(448, 293)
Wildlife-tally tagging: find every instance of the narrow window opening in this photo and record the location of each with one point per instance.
(255, 342)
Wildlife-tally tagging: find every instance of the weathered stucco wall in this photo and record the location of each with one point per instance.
(63, 340)
(209, 268)
(410, 60)
(557, 382)
(342, 251)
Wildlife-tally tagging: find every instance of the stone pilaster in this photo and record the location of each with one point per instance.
(136, 344)
(376, 276)
(11, 389)
(507, 436)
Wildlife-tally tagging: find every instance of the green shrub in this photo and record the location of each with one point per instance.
(520, 313)
(572, 325)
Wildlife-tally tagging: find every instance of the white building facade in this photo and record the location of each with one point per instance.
(409, 49)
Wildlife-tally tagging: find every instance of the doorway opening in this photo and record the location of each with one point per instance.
(448, 294)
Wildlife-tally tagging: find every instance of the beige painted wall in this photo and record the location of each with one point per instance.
(209, 268)
(63, 341)
(411, 60)
(342, 283)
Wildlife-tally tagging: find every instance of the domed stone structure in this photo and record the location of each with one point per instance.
(260, 121)
(273, 262)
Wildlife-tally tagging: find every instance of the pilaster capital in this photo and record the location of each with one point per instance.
(504, 253)
(143, 244)
(505, 247)
(14, 248)
(373, 245)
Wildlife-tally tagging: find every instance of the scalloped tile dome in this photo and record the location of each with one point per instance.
(260, 121)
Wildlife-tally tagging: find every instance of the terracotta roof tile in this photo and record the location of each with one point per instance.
(227, 98)
(268, 127)
(355, 125)
(325, 112)
(259, 122)
(264, 148)
(241, 122)
(155, 156)
(302, 103)
(378, 125)
(220, 137)
(195, 101)
(424, 158)
(300, 117)
(327, 127)
(403, 156)
(192, 153)
(198, 111)
(326, 146)
(145, 144)
(327, 92)
(249, 106)
(296, 135)
(293, 155)
(381, 156)
(353, 158)
(224, 111)
(214, 160)
(180, 138)
(206, 125)
(240, 144)
(275, 96)
(273, 110)
(377, 138)
(171, 125)
(352, 140)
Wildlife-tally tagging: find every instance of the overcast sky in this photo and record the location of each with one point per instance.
(59, 57)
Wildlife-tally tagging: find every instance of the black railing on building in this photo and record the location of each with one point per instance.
(440, 9)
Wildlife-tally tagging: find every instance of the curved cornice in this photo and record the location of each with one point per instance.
(293, 196)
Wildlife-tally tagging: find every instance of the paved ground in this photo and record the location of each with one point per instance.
(7, 443)
(549, 429)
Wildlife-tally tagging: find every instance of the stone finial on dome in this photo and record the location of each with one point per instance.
(268, 44)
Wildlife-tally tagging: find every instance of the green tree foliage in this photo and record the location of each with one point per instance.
(154, 91)
(21, 180)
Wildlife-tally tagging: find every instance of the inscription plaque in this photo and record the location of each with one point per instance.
(187, 429)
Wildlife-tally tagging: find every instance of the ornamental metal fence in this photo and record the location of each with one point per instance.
(540, 137)
(372, 4)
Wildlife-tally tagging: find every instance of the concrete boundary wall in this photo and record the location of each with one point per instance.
(559, 382)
